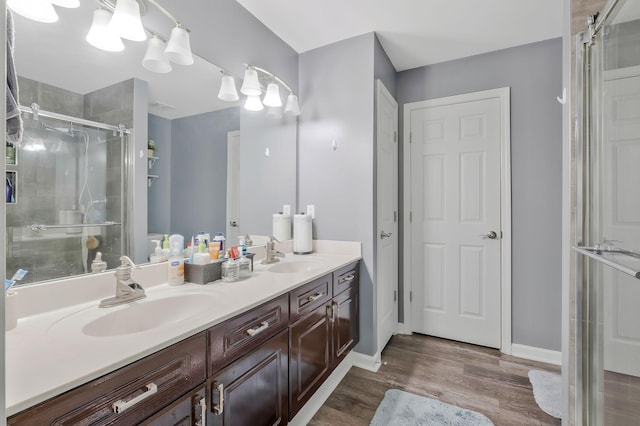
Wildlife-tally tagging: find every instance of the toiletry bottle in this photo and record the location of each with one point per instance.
(177, 240)
(230, 269)
(157, 256)
(98, 265)
(165, 245)
(176, 266)
(220, 238)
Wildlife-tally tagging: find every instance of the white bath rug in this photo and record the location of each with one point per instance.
(547, 390)
(399, 408)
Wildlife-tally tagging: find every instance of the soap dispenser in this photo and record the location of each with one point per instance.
(157, 256)
(98, 265)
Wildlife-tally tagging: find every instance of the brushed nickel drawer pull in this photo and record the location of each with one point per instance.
(203, 412)
(219, 408)
(122, 405)
(259, 329)
(350, 277)
(315, 297)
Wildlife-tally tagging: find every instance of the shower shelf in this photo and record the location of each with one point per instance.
(152, 161)
(619, 261)
(151, 179)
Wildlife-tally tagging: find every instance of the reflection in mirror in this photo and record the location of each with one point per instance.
(89, 186)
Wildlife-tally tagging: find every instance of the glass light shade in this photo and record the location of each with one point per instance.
(154, 58)
(99, 35)
(37, 10)
(228, 90)
(126, 21)
(71, 4)
(250, 84)
(253, 103)
(272, 97)
(292, 107)
(179, 47)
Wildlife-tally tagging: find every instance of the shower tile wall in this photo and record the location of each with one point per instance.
(112, 105)
(36, 174)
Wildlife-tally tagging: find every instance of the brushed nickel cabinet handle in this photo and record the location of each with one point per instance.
(203, 412)
(218, 409)
(314, 297)
(350, 277)
(122, 405)
(259, 329)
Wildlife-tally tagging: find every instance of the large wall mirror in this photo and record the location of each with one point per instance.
(69, 182)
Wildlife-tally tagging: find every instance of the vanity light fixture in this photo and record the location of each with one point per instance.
(253, 89)
(37, 10)
(127, 22)
(99, 35)
(155, 59)
(179, 47)
(228, 90)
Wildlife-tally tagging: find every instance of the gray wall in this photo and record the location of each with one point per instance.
(159, 209)
(534, 73)
(199, 171)
(337, 94)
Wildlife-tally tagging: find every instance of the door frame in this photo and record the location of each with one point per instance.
(505, 203)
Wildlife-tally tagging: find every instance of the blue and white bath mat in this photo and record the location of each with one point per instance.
(399, 408)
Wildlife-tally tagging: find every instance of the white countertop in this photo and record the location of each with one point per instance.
(48, 353)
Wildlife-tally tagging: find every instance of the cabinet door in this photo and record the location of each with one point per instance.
(252, 390)
(189, 410)
(310, 356)
(345, 324)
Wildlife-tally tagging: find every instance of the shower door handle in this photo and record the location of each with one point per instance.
(491, 235)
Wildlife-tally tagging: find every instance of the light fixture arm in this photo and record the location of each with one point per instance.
(168, 14)
(272, 75)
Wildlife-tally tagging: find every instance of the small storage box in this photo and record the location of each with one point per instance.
(203, 274)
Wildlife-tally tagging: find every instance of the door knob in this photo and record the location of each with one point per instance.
(491, 235)
(233, 224)
(384, 234)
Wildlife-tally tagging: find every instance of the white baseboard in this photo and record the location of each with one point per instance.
(368, 362)
(312, 406)
(404, 329)
(536, 354)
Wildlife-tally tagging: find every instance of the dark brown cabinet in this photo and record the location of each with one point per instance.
(128, 395)
(321, 338)
(190, 410)
(257, 368)
(253, 390)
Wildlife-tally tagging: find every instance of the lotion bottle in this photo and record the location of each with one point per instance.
(176, 266)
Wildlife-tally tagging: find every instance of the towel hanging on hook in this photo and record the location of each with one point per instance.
(563, 99)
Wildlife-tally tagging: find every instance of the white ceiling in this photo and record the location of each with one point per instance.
(414, 33)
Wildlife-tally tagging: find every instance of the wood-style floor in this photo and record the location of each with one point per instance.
(473, 377)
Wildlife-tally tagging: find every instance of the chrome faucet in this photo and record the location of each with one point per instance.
(272, 253)
(127, 290)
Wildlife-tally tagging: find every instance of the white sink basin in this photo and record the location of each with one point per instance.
(135, 317)
(293, 266)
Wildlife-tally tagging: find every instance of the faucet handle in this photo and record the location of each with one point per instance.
(273, 239)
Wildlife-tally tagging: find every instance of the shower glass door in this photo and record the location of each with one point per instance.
(610, 212)
(67, 199)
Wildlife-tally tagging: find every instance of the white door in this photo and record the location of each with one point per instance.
(621, 219)
(387, 214)
(456, 223)
(233, 185)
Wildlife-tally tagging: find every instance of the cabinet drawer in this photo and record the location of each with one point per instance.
(241, 334)
(346, 277)
(310, 296)
(154, 381)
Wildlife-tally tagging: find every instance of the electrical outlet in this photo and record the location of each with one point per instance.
(286, 209)
(311, 211)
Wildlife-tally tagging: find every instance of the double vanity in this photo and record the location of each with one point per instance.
(248, 352)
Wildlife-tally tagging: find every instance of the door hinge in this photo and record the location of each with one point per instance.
(395, 136)
(410, 137)
(395, 216)
(395, 295)
(410, 216)
(411, 296)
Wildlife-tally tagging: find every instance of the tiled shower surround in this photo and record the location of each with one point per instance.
(50, 175)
